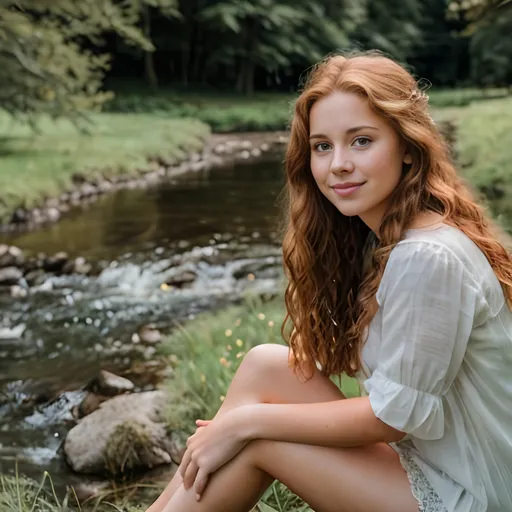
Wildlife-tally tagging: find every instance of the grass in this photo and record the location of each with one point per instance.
(223, 112)
(484, 154)
(206, 354)
(20, 494)
(462, 97)
(229, 112)
(42, 164)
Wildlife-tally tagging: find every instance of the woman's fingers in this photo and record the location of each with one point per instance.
(190, 474)
(201, 483)
(202, 423)
(185, 461)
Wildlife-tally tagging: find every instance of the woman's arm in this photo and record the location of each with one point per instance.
(349, 422)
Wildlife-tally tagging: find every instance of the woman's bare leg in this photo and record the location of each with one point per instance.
(363, 479)
(264, 376)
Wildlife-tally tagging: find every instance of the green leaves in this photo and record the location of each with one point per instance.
(49, 57)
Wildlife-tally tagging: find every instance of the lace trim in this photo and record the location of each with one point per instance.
(428, 500)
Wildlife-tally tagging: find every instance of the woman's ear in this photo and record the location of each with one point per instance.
(407, 157)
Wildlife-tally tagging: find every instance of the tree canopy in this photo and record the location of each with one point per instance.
(55, 54)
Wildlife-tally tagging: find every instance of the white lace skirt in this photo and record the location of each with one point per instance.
(428, 499)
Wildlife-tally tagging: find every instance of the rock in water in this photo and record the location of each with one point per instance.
(125, 433)
(110, 384)
(11, 256)
(149, 334)
(56, 262)
(10, 276)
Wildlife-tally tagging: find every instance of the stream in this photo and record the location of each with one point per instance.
(220, 225)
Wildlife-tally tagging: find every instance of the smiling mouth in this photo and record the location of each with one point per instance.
(346, 189)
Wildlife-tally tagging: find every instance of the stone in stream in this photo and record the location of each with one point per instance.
(19, 216)
(90, 403)
(11, 256)
(35, 277)
(109, 384)
(18, 292)
(77, 266)
(56, 262)
(126, 433)
(148, 334)
(182, 279)
(10, 276)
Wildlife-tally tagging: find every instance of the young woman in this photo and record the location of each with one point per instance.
(395, 276)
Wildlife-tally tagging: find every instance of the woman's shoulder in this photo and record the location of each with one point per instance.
(443, 241)
(449, 249)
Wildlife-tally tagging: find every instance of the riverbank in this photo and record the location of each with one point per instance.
(85, 167)
(38, 166)
(144, 139)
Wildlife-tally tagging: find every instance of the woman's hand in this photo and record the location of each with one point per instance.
(214, 444)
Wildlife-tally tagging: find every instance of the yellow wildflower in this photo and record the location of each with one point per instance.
(222, 397)
(239, 342)
(261, 316)
(228, 332)
(229, 347)
(271, 323)
(240, 354)
(203, 378)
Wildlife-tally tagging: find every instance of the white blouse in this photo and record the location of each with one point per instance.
(439, 367)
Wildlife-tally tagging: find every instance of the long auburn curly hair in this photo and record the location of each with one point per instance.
(330, 297)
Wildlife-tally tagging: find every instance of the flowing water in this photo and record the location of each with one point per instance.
(219, 224)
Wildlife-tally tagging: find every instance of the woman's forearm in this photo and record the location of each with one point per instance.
(343, 423)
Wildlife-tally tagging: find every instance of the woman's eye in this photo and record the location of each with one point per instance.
(361, 142)
(322, 146)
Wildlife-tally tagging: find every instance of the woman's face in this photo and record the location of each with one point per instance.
(356, 156)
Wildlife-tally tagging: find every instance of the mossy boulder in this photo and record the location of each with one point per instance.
(126, 433)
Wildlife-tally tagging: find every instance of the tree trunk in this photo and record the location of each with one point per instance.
(245, 80)
(149, 64)
(185, 62)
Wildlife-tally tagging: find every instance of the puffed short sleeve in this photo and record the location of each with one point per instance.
(427, 301)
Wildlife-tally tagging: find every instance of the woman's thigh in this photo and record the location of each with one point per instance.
(360, 479)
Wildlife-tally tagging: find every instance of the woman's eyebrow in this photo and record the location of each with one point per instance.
(350, 130)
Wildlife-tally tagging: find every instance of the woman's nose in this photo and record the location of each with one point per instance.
(342, 164)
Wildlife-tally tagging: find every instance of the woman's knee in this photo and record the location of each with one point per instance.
(266, 359)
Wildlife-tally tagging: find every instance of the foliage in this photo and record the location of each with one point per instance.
(271, 35)
(38, 164)
(19, 494)
(223, 112)
(391, 26)
(52, 54)
(489, 25)
(482, 154)
(491, 48)
(208, 351)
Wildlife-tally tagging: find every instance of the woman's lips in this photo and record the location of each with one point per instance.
(345, 189)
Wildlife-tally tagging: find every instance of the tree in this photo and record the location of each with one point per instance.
(490, 24)
(50, 52)
(270, 34)
(391, 26)
(167, 8)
